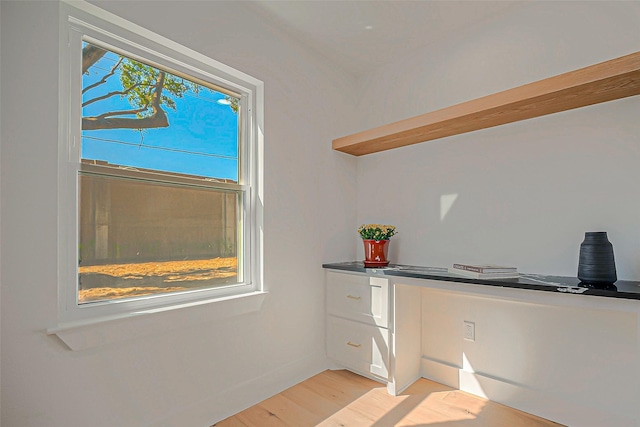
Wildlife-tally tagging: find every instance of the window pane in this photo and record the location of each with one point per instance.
(137, 115)
(139, 236)
(143, 238)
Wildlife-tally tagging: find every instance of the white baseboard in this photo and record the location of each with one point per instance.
(542, 403)
(230, 401)
(396, 389)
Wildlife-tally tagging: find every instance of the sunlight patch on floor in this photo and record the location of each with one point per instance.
(377, 409)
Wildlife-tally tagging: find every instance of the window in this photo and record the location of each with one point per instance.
(159, 172)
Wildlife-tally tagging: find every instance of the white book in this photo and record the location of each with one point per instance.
(476, 275)
(485, 268)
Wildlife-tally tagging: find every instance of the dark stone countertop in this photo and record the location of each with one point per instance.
(621, 289)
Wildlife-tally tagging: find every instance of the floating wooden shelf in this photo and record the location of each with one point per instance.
(606, 81)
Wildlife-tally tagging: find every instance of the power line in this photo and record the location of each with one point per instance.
(153, 147)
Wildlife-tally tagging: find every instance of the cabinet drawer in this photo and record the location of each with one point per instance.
(362, 348)
(361, 298)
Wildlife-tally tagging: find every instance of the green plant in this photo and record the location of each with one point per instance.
(376, 231)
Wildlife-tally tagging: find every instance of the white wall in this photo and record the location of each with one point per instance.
(0, 221)
(522, 194)
(526, 192)
(186, 376)
(542, 357)
(536, 186)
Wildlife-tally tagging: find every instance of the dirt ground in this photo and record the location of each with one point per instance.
(114, 281)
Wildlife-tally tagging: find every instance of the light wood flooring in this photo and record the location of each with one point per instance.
(344, 399)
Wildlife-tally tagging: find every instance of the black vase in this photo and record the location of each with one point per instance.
(596, 265)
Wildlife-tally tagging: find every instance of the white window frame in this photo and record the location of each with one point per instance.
(81, 21)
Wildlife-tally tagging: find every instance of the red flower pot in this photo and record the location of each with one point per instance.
(375, 253)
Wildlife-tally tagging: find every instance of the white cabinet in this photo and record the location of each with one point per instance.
(358, 323)
(368, 334)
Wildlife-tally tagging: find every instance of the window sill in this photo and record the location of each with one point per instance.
(82, 335)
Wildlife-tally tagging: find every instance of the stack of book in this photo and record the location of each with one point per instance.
(485, 271)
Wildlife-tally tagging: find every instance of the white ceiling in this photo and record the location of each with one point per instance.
(360, 34)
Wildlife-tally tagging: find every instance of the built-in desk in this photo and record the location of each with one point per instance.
(537, 282)
(547, 345)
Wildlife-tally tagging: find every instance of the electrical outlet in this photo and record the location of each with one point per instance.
(469, 331)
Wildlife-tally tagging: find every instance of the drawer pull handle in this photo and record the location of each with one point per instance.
(353, 297)
(354, 345)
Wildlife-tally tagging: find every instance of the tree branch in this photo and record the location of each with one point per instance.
(119, 113)
(157, 96)
(109, 95)
(154, 121)
(105, 77)
(90, 55)
(157, 120)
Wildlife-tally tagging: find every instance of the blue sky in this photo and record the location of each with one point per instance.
(199, 125)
